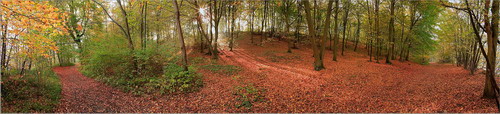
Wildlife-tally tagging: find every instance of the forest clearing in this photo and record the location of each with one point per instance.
(265, 56)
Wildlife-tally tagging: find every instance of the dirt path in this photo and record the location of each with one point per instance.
(83, 94)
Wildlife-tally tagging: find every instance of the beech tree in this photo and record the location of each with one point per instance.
(31, 28)
(181, 36)
(318, 43)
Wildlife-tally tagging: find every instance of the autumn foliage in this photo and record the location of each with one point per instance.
(35, 23)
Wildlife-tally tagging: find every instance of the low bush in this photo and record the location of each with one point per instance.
(247, 95)
(182, 81)
(36, 91)
(174, 80)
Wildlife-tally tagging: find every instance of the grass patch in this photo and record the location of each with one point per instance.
(247, 95)
(33, 92)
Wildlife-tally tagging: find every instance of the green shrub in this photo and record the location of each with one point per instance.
(108, 59)
(247, 95)
(111, 56)
(36, 91)
(182, 81)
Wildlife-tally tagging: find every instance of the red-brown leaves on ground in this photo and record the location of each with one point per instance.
(291, 85)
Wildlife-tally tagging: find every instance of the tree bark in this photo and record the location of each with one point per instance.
(336, 33)
(391, 34)
(181, 37)
(344, 25)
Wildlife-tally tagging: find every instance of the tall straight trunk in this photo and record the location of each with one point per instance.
(251, 25)
(391, 34)
(370, 33)
(402, 41)
(233, 18)
(210, 31)
(357, 31)
(262, 31)
(473, 64)
(143, 30)
(272, 21)
(377, 31)
(158, 33)
(287, 24)
(3, 66)
(215, 45)
(181, 37)
(336, 33)
(297, 27)
(202, 46)
(344, 25)
(146, 32)
(142, 24)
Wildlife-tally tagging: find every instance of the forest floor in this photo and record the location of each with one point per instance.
(276, 81)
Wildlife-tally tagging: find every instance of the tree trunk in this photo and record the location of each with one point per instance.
(181, 37)
(326, 28)
(391, 34)
(297, 27)
(357, 31)
(142, 30)
(377, 52)
(370, 33)
(3, 66)
(336, 33)
(251, 25)
(318, 44)
(231, 45)
(492, 34)
(287, 24)
(346, 15)
(262, 31)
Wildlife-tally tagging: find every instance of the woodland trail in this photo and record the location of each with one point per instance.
(291, 85)
(83, 94)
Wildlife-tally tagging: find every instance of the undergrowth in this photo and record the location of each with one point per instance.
(36, 91)
(108, 59)
(173, 81)
(247, 95)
